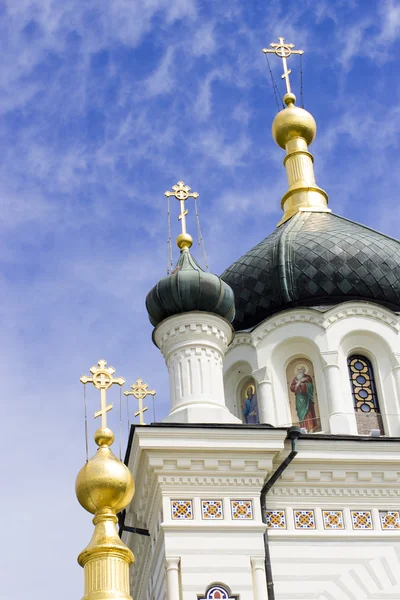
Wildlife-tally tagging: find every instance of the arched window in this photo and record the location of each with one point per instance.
(249, 402)
(303, 397)
(218, 592)
(365, 398)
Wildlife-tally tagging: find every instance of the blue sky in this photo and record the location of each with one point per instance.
(104, 106)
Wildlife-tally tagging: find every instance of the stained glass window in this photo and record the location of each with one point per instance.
(363, 384)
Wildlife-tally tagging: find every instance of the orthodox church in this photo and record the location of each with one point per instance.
(276, 472)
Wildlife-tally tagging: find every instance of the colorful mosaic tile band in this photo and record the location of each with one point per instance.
(304, 519)
(361, 519)
(182, 509)
(275, 519)
(333, 519)
(390, 519)
(211, 509)
(242, 509)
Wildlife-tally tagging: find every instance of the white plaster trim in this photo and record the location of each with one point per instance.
(301, 315)
(325, 320)
(364, 309)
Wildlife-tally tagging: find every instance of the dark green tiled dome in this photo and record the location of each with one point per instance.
(187, 289)
(311, 260)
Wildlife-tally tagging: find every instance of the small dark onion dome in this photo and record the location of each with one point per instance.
(188, 289)
(314, 259)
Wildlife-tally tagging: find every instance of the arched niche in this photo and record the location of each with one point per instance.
(287, 353)
(235, 379)
(303, 394)
(378, 352)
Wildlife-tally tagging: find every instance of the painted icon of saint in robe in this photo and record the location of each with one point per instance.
(303, 388)
(250, 405)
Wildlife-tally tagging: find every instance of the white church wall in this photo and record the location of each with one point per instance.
(333, 516)
(334, 522)
(327, 339)
(316, 569)
(377, 349)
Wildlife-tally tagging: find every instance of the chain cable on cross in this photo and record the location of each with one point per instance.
(102, 379)
(283, 50)
(140, 391)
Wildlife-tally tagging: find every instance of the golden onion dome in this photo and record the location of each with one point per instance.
(292, 122)
(104, 481)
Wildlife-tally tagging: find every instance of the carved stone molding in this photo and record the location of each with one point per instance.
(241, 339)
(178, 480)
(303, 316)
(193, 325)
(327, 319)
(347, 310)
(262, 374)
(337, 492)
(199, 465)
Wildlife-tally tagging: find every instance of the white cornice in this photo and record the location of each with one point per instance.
(361, 309)
(294, 493)
(301, 315)
(323, 320)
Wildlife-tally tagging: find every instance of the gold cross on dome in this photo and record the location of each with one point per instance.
(283, 51)
(140, 390)
(182, 193)
(102, 380)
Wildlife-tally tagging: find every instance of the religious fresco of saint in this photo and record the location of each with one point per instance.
(303, 395)
(249, 404)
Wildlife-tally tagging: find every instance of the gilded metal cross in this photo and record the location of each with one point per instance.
(182, 193)
(140, 390)
(283, 51)
(102, 380)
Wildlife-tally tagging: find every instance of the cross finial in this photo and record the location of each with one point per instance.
(283, 51)
(140, 391)
(182, 193)
(102, 380)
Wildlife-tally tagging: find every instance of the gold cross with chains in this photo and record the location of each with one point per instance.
(102, 380)
(283, 51)
(182, 193)
(140, 391)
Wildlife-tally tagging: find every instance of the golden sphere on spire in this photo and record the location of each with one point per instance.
(292, 122)
(104, 482)
(184, 240)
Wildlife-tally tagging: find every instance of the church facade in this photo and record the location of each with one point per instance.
(276, 472)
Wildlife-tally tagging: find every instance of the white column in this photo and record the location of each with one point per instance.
(341, 410)
(194, 345)
(266, 409)
(394, 423)
(396, 374)
(172, 577)
(259, 580)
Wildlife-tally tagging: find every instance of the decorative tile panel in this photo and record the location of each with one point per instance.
(275, 519)
(182, 509)
(361, 519)
(390, 519)
(333, 519)
(242, 509)
(304, 519)
(211, 509)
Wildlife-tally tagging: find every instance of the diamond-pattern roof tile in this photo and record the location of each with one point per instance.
(311, 260)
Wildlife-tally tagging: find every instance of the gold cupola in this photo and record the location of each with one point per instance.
(104, 487)
(294, 129)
